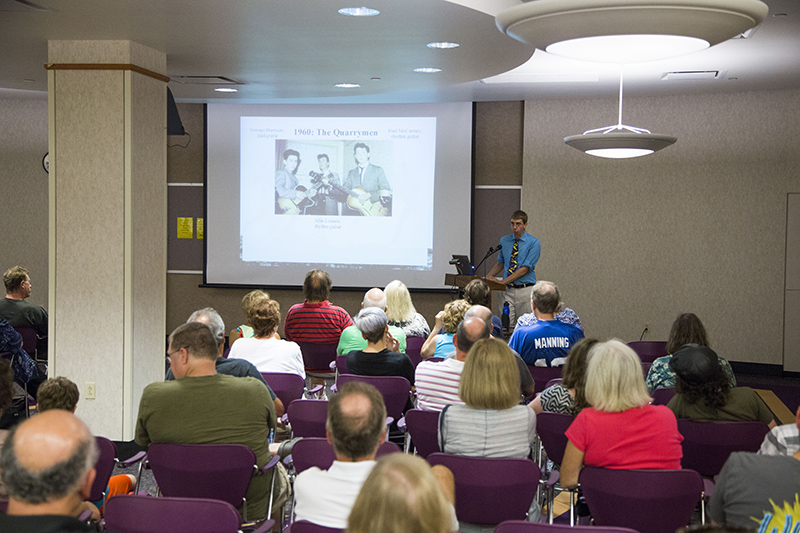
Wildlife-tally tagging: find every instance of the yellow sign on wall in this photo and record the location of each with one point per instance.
(200, 228)
(185, 227)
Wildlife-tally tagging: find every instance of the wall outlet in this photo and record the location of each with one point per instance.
(91, 391)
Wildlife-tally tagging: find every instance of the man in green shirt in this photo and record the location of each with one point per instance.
(352, 339)
(204, 407)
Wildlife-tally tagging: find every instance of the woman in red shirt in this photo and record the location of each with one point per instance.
(621, 430)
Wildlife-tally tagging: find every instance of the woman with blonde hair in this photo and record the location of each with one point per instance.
(401, 312)
(245, 331)
(492, 423)
(401, 495)
(621, 430)
(441, 344)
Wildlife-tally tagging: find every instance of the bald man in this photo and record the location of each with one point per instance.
(352, 339)
(47, 465)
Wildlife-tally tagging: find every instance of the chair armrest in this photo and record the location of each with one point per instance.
(332, 366)
(274, 460)
(265, 526)
(85, 515)
(401, 424)
(132, 460)
(287, 461)
(315, 390)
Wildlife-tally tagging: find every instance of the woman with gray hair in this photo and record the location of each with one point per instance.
(379, 357)
(621, 429)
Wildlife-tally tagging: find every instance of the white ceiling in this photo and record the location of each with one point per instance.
(296, 50)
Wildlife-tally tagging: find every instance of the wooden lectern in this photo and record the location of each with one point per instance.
(461, 280)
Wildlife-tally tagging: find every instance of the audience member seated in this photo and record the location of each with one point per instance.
(15, 309)
(404, 495)
(547, 342)
(621, 429)
(527, 384)
(477, 292)
(437, 382)
(401, 312)
(758, 492)
(246, 330)
(441, 344)
(204, 407)
(47, 465)
(356, 426)
(232, 367)
(265, 350)
(379, 358)
(781, 440)
(491, 422)
(316, 320)
(563, 314)
(569, 396)
(687, 329)
(352, 339)
(6, 396)
(62, 393)
(704, 394)
(26, 371)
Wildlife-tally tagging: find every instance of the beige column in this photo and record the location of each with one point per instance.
(108, 204)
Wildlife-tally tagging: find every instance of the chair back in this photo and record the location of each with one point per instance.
(304, 526)
(413, 349)
(423, 426)
(542, 374)
(662, 396)
(29, 339)
(394, 389)
(649, 351)
(3, 505)
(649, 501)
(145, 514)
(314, 451)
(551, 428)
(552, 382)
(308, 417)
(707, 445)
(646, 369)
(341, 364)
(104, 467)
(217, 471)
(287, 387)
(519, 526)
(490, 490)
(318, 357)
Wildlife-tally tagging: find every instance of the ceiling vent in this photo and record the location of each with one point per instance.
(686, 75)
(204, 80)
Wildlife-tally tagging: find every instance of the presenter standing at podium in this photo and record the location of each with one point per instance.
(517, 260)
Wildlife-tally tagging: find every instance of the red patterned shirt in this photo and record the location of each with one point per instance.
(320, 322)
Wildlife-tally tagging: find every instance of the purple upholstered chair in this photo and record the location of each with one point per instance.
(413, 348)
(341, 364)
(662, 396)
(217, 471)
(104, 467)
(304, 526)
(423, 431)
(287, 387)
(649, 501)
(29, 340)
(145, 514)
(318, 357)
(551, 428)
(308, 417)
(394, 389)
(313, 451)
(649, 351)
(519, 526)
(490, 490)
(542, 374)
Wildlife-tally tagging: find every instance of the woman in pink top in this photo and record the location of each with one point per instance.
(621, 430)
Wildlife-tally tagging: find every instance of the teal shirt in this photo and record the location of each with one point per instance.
(351, 339)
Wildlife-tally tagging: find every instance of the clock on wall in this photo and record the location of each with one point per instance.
(46, 162)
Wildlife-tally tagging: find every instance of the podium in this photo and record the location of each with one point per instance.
(461, 280)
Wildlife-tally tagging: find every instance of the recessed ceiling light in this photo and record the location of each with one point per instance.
(427, 70)
(226, 90)
(375, 79)
(347, 85)
(29, 80)
(359, 11)
(443, 44)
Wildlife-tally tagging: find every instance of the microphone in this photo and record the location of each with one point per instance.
(488, 254)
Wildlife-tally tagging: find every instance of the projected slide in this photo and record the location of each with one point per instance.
(333, 190)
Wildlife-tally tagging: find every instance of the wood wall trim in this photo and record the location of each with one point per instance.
(108, 66)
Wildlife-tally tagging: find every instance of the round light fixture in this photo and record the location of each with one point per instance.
(226, 90)
(359, 11)
(443, 45)
(347, 85)
(427, 70)
(701, 23)
(619, 145)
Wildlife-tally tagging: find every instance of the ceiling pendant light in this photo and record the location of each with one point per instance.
(626, 31)
(619, 141)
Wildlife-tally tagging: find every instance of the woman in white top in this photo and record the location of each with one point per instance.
(265, 350)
